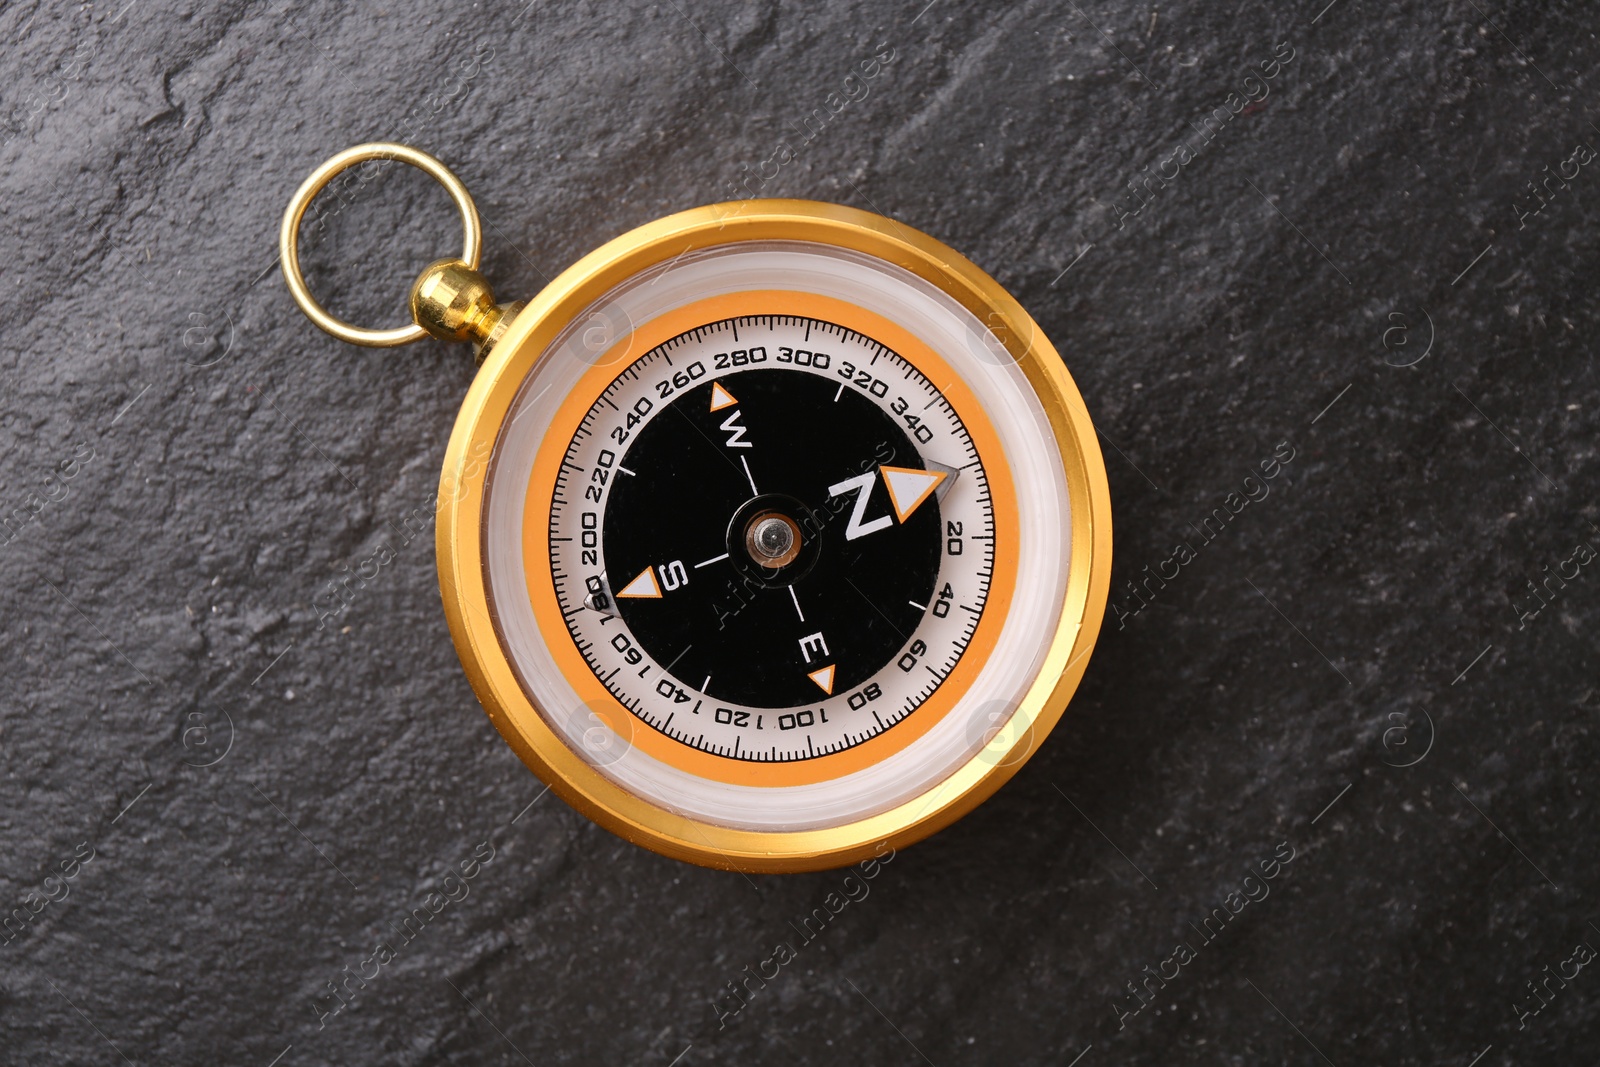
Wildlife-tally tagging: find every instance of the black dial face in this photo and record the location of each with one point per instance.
(772, 538)
(701, 482)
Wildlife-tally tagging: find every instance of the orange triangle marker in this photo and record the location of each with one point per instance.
(642, 586)
(823, 678)
(908, 488)
(720, 397)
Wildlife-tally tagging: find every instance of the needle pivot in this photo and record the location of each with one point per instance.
(772, 539)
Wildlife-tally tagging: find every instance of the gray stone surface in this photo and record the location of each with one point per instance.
(207, 462)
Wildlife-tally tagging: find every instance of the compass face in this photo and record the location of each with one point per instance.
(772, 538)
(776, 539)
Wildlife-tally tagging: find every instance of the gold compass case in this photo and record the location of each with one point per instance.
(569, 303)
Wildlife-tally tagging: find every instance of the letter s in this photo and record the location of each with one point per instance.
(479, 852)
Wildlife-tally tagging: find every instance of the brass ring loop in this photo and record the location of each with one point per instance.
(289, 236)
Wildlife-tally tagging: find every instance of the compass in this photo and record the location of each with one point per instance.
(771, 534)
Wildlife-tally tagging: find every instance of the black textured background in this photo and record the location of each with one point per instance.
(226, 460)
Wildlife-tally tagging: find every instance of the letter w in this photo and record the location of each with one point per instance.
(735, 432)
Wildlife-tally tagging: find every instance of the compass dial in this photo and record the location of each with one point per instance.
(772, 538)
